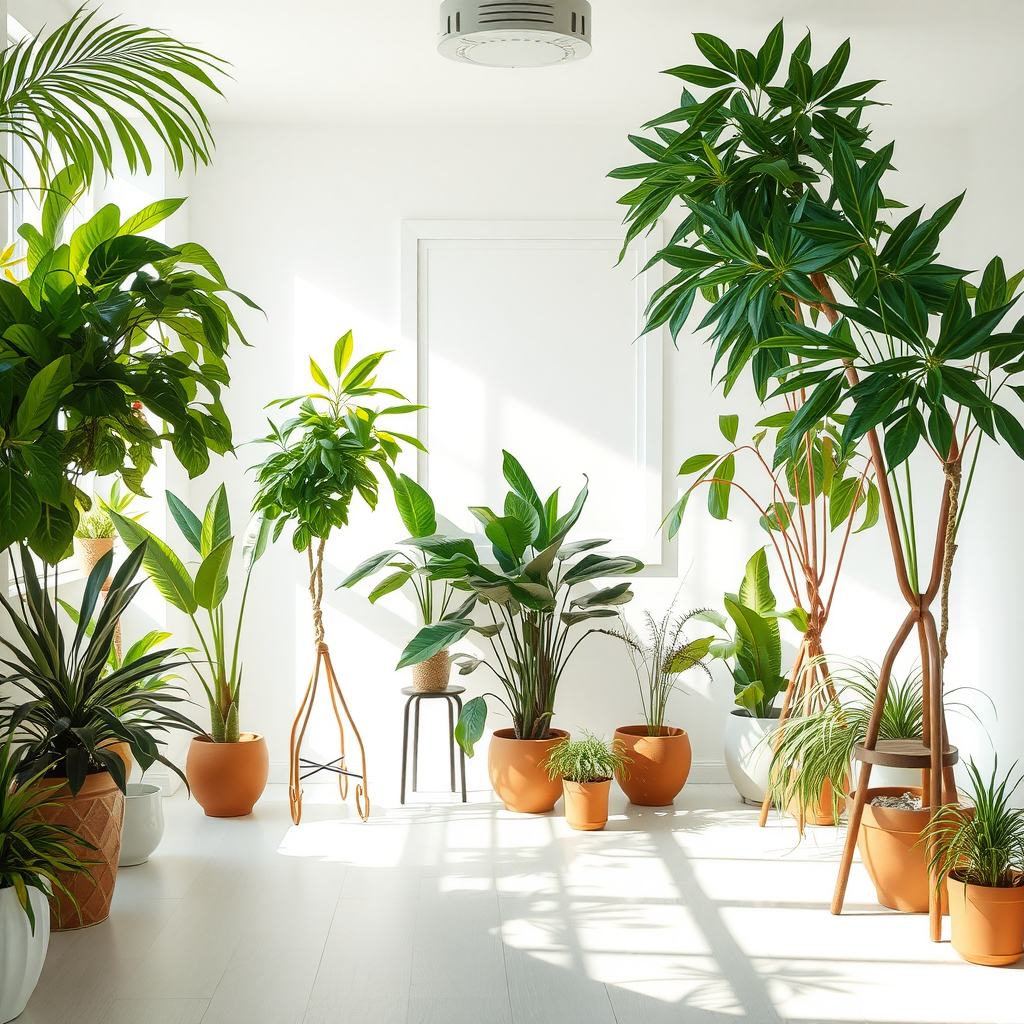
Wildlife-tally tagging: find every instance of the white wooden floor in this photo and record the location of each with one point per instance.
(451, 913)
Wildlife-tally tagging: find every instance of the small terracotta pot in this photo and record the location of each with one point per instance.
(894, 857)
(819, 811)
(660, 764)
(96, 813)
(432, 675)
(987, 924)
(518, 773)
(89, 550)
(586, 804)
(228, 778)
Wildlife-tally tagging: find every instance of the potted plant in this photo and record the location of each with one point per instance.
(32, 852)
(534, 607)
(660, 754)
(75, 710)
(585, 768)
(980, 854)
(414, 563)
(95, 533)
(323, 457)
(227, 769)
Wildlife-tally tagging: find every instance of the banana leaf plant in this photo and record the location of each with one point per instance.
(219, 670)
(108, 326)
(531, 600)
(754, 642)
(75, 708)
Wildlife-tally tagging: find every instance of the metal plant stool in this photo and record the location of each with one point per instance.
(454, 701)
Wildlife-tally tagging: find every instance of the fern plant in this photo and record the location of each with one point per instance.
(590, 759)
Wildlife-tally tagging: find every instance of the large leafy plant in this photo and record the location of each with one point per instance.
(220, 669)
(107, 327)
(531, 600)
(75, 707)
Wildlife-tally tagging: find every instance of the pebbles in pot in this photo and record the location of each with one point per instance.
(908, 802)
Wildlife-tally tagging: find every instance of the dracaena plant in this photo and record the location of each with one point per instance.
(220, 668)
(530, 600)
(815, 287)
(75, 707)
(415, 560)
(326, 455)
(108, 329)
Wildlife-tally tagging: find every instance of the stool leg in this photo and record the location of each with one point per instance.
(451, 739)
(415, 743)
(405, 746)
(462, 753)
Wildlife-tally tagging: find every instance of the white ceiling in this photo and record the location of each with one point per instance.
(375, 61)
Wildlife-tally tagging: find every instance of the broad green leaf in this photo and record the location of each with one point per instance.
(43, 395)
(840, 505)
(216, 521)
(716, 50)
(318, 375)
(415, 506)
(432, 639)
(395, 581)
(510, 535)
(149, 216)
(471, 724)
(368, 567)
(720, 488)
(695, 463)
(343, 352)
(211, 584)
(708, 78)
(100, 227)
(593, 567)
(188, 522)
(756, 589)
(163, 566)
(19, 507)
(52, 537)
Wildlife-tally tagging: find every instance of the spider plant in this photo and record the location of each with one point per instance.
(32, 851)
(815, 748)
(590, 759)
(984, 844)
(660, 658)
(75, 707)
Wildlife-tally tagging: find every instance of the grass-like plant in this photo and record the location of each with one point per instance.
(32, 850)
(590, 759)
(983, 844)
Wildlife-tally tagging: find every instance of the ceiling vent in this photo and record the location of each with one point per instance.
(515, 33)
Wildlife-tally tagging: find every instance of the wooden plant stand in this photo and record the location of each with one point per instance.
(299, 767)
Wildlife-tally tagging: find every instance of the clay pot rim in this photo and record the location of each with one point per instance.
(510, 734)
(668, 732)
(593, 782)
(244, 737)
(991, 893)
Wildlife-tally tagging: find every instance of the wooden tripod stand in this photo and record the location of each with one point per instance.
(300, 768)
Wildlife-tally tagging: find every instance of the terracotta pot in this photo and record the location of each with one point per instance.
(89, 550)
(747, 756)
(517, 772)
(586, 804)
(894, 858)
(228, 778)
(22, 952)
(96, 814)
(987, 924)
(123, 751)
(432, 675)
(819, 811)
(143, 823)
(660, 764)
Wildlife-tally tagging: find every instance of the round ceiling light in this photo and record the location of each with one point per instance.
(515, 33)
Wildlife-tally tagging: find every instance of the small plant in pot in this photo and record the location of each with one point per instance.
(35, 854)
(585, 768)
(76, 712)
(414, 563)
(227, 769)
(534, 607)
(661, 754)
(95, 533)
(980, 853)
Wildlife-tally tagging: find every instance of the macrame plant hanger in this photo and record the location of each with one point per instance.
(301, 768)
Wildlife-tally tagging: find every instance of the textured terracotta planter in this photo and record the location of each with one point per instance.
(228, 778)
(660, 764)
(819, 811)
(432, 675)
(894, 858)
(89, 550)
(987, 924)
(21, 952)
(517, 772)
(96, 814)
(586, 804)
(747, 756)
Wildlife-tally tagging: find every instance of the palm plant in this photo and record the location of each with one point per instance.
(590, 759)
(32, 850)
(660, 657)
(982, 844)
(75, 707)
(220, 672)
(69, 97)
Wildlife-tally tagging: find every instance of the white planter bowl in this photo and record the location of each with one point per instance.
(21, 953)
(747, 757)
(143, 823)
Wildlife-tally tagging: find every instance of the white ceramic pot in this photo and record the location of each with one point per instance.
(747, 756)
(885, 777)
(21, 952)
(143, 823)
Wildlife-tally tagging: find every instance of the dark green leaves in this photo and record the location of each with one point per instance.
(709, 78)
(716, 50)
(433, 639)
(19, 507)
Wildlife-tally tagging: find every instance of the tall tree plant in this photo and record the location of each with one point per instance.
(784, 213)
